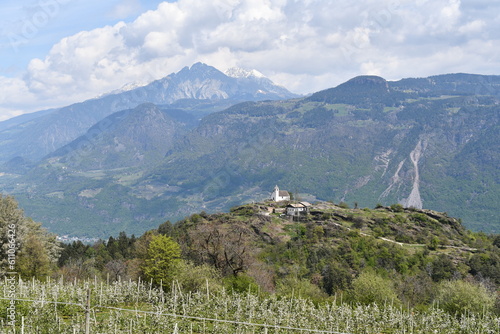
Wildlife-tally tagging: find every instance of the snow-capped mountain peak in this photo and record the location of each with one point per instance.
(236, 72)
(125, 88)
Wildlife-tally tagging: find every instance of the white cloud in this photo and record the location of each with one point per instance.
(13, 97)
(304, 45)
(472, 27)
(125, 8)
(450, 13)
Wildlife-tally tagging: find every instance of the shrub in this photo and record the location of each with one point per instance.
(457, 297)
(343, 205)
(434, 243)
(371, 288)
(419, 217)
(326, 216)
(245, 211)
(359, 222)
(397, 208)
(300, 288)
(336, 277)
(198, 278)
(442, 268)
(241, 283)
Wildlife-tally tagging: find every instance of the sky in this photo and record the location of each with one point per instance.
(57, 52)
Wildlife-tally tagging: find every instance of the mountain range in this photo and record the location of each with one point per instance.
(36, 135)
(131, 160)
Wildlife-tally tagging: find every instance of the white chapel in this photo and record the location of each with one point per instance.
(280, 195)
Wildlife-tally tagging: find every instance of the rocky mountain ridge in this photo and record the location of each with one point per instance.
(44, 132)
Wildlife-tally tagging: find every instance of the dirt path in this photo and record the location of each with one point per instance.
(402, 244)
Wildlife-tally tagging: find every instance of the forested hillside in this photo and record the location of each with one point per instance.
(391, 258)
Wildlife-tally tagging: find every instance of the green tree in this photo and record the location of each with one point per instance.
(370, 288)
(457, 297)
(162, 260)
(241, 283)
(166, 228)
(33, 260)
(441, 268)
(486, 264)
(336, 277)
(126, 245)
(113, 248)
(101, 255)
(343, 205)
(12, 225)
(198, 278)
(51, 247)
(496, 241)
(416, 290)
(301, 288)
(72, 251)
(36, 250)
(397, 207)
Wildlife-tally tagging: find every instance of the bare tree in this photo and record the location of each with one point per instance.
(225, 249)
(116, 269)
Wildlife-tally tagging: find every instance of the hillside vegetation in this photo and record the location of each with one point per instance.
(333, 244)
(419, 268)
(329, 252)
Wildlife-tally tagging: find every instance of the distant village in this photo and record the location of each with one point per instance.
(69, 239)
